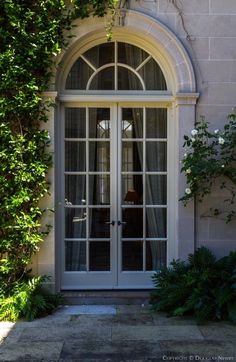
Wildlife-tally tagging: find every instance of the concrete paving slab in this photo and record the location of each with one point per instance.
(5, 329)
(222, 331)
(82, 350)
(69, 332)
(140, 308)
(32, 351)
(87, 309)
(200, 350)
(161, 319)
(156, 333)
(122, 319)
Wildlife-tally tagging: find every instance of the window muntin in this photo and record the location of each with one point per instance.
(116, 66)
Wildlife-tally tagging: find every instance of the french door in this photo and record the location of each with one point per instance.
(114, 193)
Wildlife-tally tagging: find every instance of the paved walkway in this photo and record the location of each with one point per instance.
(115, 334)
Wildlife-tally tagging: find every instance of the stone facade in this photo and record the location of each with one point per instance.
(206, 29)
(209, 36)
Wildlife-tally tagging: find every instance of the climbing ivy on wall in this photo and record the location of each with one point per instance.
(31, 35)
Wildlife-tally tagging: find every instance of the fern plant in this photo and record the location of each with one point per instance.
(202, 287)
(28, 300)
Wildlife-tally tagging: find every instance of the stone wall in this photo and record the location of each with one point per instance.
(208, 31)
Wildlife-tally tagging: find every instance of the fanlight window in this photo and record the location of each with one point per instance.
(116, 66)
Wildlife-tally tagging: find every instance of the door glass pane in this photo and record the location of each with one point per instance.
(133, 227)
(132, 189)
(156, 189)
(132, 156)
(104, 80)
(75, 223)
(132, 123)
(132, 255)
(99, 189)
(99, 156)
(75, 255)
(131, 55)
(156, 123)
(75, 123)
(156, 156)
(98, 226)
(155, 222)
(75, 156)
(75, 189)
(127, 80)
(79, 75)
(155, 255)
(99, 122)
(99, 255)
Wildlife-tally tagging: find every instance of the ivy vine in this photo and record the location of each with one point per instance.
(32, 33)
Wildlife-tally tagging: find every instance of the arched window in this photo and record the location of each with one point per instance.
(116, 66)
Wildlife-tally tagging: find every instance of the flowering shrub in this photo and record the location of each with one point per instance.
(210, 156)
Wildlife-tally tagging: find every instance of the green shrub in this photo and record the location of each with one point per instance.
(202, 287)
(28, 299)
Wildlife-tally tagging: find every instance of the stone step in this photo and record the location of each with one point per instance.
(106, 297)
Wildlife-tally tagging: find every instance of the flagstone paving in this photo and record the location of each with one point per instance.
(128, 333)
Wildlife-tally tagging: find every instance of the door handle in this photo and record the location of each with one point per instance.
(121, 223)
(110, 222)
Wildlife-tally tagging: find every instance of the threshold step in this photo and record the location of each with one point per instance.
(106, 297)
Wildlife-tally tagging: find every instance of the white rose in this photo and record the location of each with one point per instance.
(188, 170)
(193, 139)
(216, 131)
(188, 191)
(222, 166)
(194, 132)
(221, 140)
(185, 155)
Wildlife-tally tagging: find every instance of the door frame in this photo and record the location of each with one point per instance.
(171, 186)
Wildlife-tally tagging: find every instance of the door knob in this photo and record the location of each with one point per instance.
(121, 223)
(110, 222)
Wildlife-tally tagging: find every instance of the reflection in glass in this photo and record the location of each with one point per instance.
(75, 189)
(132, 123)
(156, 123)
(99, 156)
(132, 189)
(75, 123)
(104, 80)
(132, 255)
(98, 227)
(99, 189)
(156, 153)
(127, 80)
(101, 54)
(153, 76)
(99, 255)
(99, 122)
(79, 75)
(156, 189)
(75, 255)
(75, 223)
(75, 156)
(133, 227)
(155, 255)
(155, 222)
(131, 55)
(132, 156)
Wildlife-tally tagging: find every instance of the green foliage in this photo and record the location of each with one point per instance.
(32, 34)
(28, 300)
(211, 156)
(204, 287)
